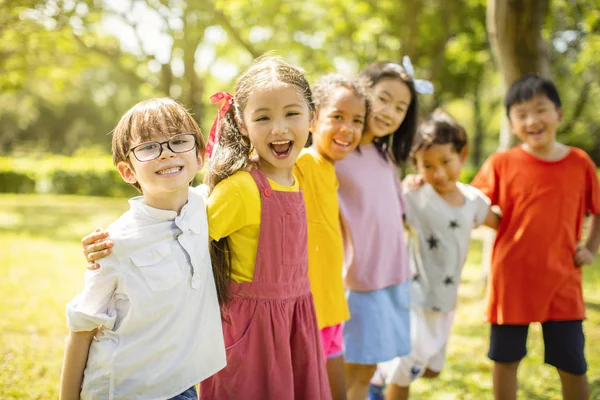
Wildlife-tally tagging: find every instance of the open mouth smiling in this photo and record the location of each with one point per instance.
(282, 148)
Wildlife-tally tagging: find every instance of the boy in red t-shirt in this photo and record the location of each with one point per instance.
(544, 189)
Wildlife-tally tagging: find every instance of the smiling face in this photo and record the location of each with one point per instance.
(440, 165)
(277, 120)
(165, 180)
(391, 99)
(535, 122)
(339, 124)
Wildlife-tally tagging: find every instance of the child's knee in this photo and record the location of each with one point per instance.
(430, 374)
(506, 366)
(361, 373)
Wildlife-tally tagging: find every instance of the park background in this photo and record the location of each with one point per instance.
(69, 69)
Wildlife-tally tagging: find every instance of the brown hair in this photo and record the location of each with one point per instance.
(439, 128)
(397, 144)
(150, 118)
(233, 149)
(325, 86)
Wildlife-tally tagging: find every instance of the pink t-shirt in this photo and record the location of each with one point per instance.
(372, 203)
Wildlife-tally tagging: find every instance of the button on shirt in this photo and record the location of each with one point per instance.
(438, 242)
(155, 303)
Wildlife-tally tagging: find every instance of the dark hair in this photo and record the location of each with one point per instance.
(233, 151)
(527, 88)
(399, 143)
(154, 117)
(326, 86)
(439, 128)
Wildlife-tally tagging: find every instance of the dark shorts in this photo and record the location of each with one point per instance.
(564, 344)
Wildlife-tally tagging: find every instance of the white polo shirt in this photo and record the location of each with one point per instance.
(438, 243)
(155, 301)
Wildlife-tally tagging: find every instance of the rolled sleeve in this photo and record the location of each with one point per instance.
(92, 308)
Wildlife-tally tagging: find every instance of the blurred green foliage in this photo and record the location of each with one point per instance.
(70, 69)
(85, 174)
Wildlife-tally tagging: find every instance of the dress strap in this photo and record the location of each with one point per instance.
(264, 187)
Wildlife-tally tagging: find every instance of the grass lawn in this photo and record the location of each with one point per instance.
(41, 268)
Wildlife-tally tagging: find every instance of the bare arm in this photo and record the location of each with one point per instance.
(492, 219)
(586, 254)
(77, 348)
(349, 246)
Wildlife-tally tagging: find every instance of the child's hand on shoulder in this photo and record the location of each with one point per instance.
(412, 182)
(583, 256)
(96, 246)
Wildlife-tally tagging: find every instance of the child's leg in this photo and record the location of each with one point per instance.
(332, 339)
(505, 380)
(564, 345)
(337, 381)
(358, 377)
(508, 345)
(395, 392)
(574, 386)
(430, 374)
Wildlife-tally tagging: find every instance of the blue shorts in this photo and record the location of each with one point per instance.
(379, 325)
(189, 394)
(564, 344)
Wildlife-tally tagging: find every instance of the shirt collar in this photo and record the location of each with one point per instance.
(188, 218)
(141, 209)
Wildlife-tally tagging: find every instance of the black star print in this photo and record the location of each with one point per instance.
(416, 277)
(454, 224)
(433, 242)
(415, 370)
(449, 280)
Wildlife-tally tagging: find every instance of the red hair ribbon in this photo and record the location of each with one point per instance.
(213, 136)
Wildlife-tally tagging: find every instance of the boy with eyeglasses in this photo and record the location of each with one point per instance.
(147, 324)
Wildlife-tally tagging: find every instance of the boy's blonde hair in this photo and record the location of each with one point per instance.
(158, 117)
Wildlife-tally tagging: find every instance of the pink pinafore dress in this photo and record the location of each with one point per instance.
(270, 329)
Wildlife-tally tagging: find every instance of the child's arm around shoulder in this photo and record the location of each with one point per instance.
(492, 219)
(485, 214)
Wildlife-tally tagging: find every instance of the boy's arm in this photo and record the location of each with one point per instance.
(76, 353)
(492, 219)
(586, 254)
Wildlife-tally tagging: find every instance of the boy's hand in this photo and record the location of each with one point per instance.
(96, 246)
(413, 182)
(583, 256)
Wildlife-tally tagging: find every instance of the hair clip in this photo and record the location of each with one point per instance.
(213, 136)
(421, 85)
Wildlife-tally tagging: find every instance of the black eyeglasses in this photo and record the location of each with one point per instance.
(149, 151)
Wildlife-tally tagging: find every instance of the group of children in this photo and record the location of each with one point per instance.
(288, 276)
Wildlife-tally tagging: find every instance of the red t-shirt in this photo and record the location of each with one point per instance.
(533, 274)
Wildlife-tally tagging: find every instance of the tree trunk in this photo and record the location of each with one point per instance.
(514, 30)
(477, 147)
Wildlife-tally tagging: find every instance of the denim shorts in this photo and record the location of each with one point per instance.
(189, 394)
(379, 326)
